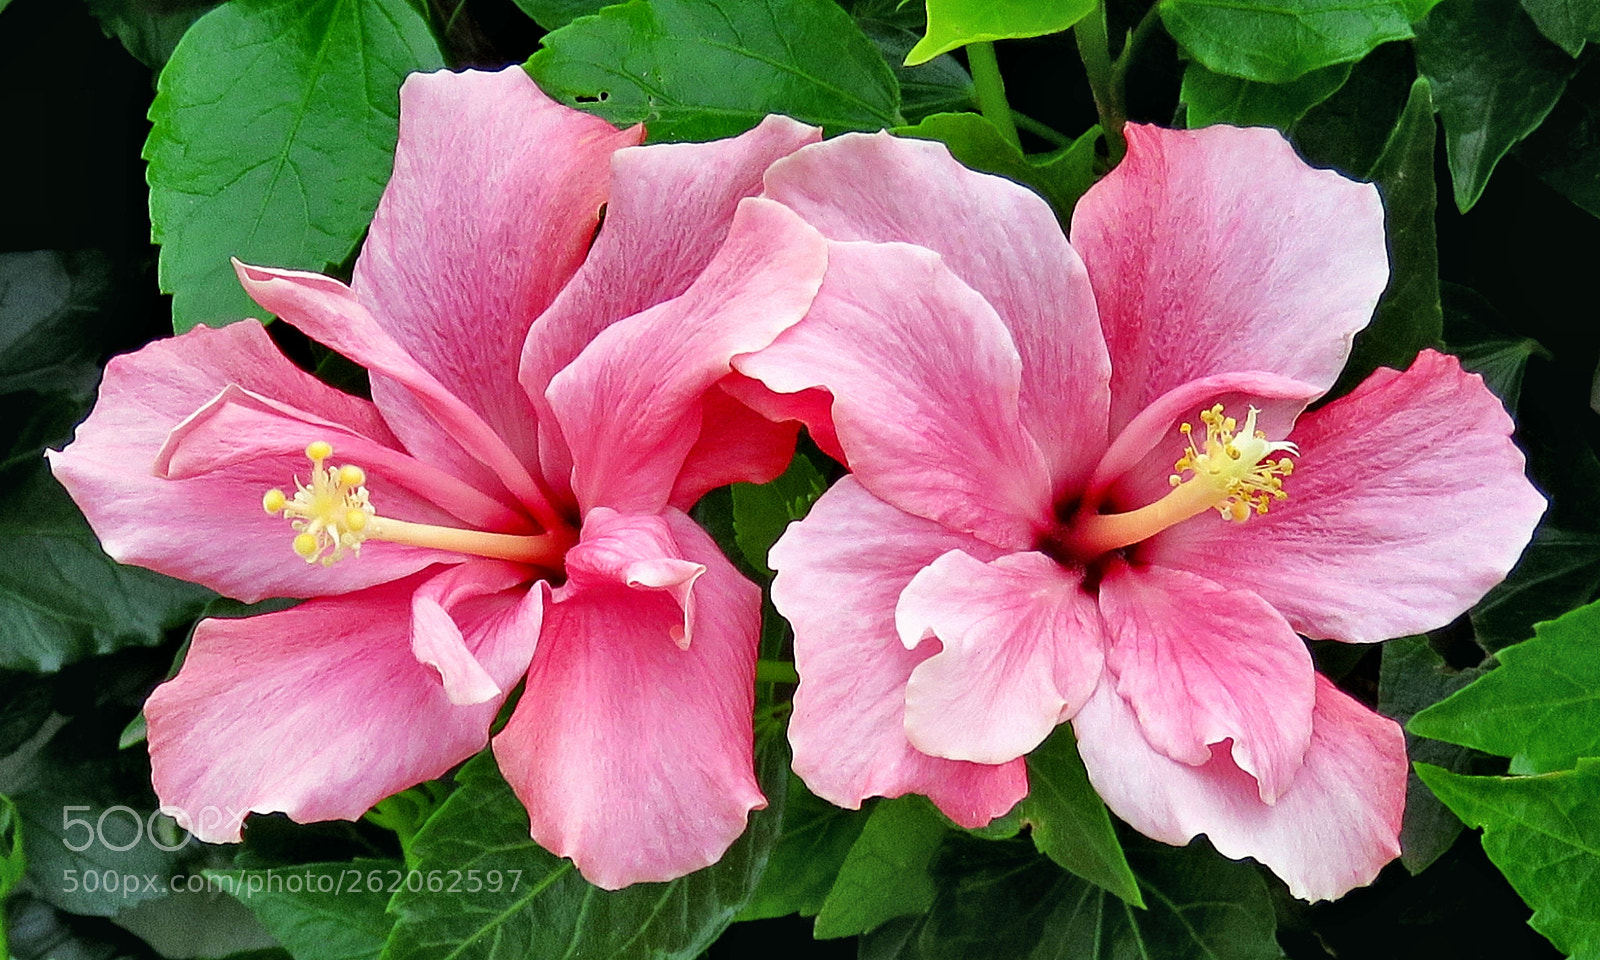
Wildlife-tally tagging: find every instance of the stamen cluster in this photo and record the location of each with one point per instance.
(330, 514)
(1235, 461)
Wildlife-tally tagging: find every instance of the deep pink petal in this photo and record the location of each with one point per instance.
(495, 195)
(669, 212)
(1407, 503)
(813, 408)
(736, 445)
(1334, 829)
(1022, 649)
(327, 311)
(1201, 665)
(840, 573)
(438, 640)
(925, 381)
(1218, 249)
(1135, 468)
(637, 552)
(634, 756)
(630, 405)
(205, 522)
(321, 710)
(998, 237)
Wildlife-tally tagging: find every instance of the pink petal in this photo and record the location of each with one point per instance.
(496, 193)
(1334, 829)
(321, 710)
(438, 641)
(669, 212)
(840, 572)
(208, 526)
(1407, 503)
(1201, 665)
(736, 444)
(327, 311)
(634, 756)
(1002, 240)
(925, 382)
(1022, 651)
(1217, 250)
(630, 405)
(1135, 468)
(637, 552)
(814, 408)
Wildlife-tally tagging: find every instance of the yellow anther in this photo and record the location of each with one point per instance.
(274, 501)
(319, 450)
(306, 545)
(1234, 462)
(351, 475)
(356, 520)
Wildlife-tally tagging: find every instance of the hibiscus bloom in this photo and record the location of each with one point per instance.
(545, 405)
(1084, 487)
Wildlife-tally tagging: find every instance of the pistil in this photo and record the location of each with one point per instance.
(1230, 473)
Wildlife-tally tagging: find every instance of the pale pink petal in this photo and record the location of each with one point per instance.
(1201, 665)
(630, 405)
(638, 552)
(840, 573)
(925, 381)
(634, 756)
(1217, 250)
(736, 445)
(321, 710)
(206, 523)
(1407, 503)
(998, 237)
(438, 641)
(495, 195)
(327, 311)
(669, 212)
(1022, 650)
(1134, 469)
(1334, 829)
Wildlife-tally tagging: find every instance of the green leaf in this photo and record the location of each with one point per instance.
(1000, 901)
(1349, 130)
(1413, 678)
(812, 845)
(1409, 317)
(1494, 79)
(62, 598)
(1569, 23)
(1473, 332)
(1213, 98)
(1559, 570)
(1276, 41)
(555, 14)
(51, 323)
(1060, 177)
(13, 862)
(541, 907)
(886, 873)
(326, 911)
(956, 23)
(1544, 834)
(699, 69)
(149, 29)
(1565, 150)
(761, 512)
(1070, 822)
(273, 134)
(936, 86)
(1541, 707)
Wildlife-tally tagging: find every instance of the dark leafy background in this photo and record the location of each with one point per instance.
(1490, 168)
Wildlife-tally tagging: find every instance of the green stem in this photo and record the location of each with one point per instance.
(1042, 130)
(1095, 50)
(991, 90)
(776, 671)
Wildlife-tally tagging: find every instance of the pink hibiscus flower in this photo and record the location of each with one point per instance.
(508, 505)
(1028, 536)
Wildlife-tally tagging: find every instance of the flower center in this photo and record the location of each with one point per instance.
(1229, 471)
(332, 515)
